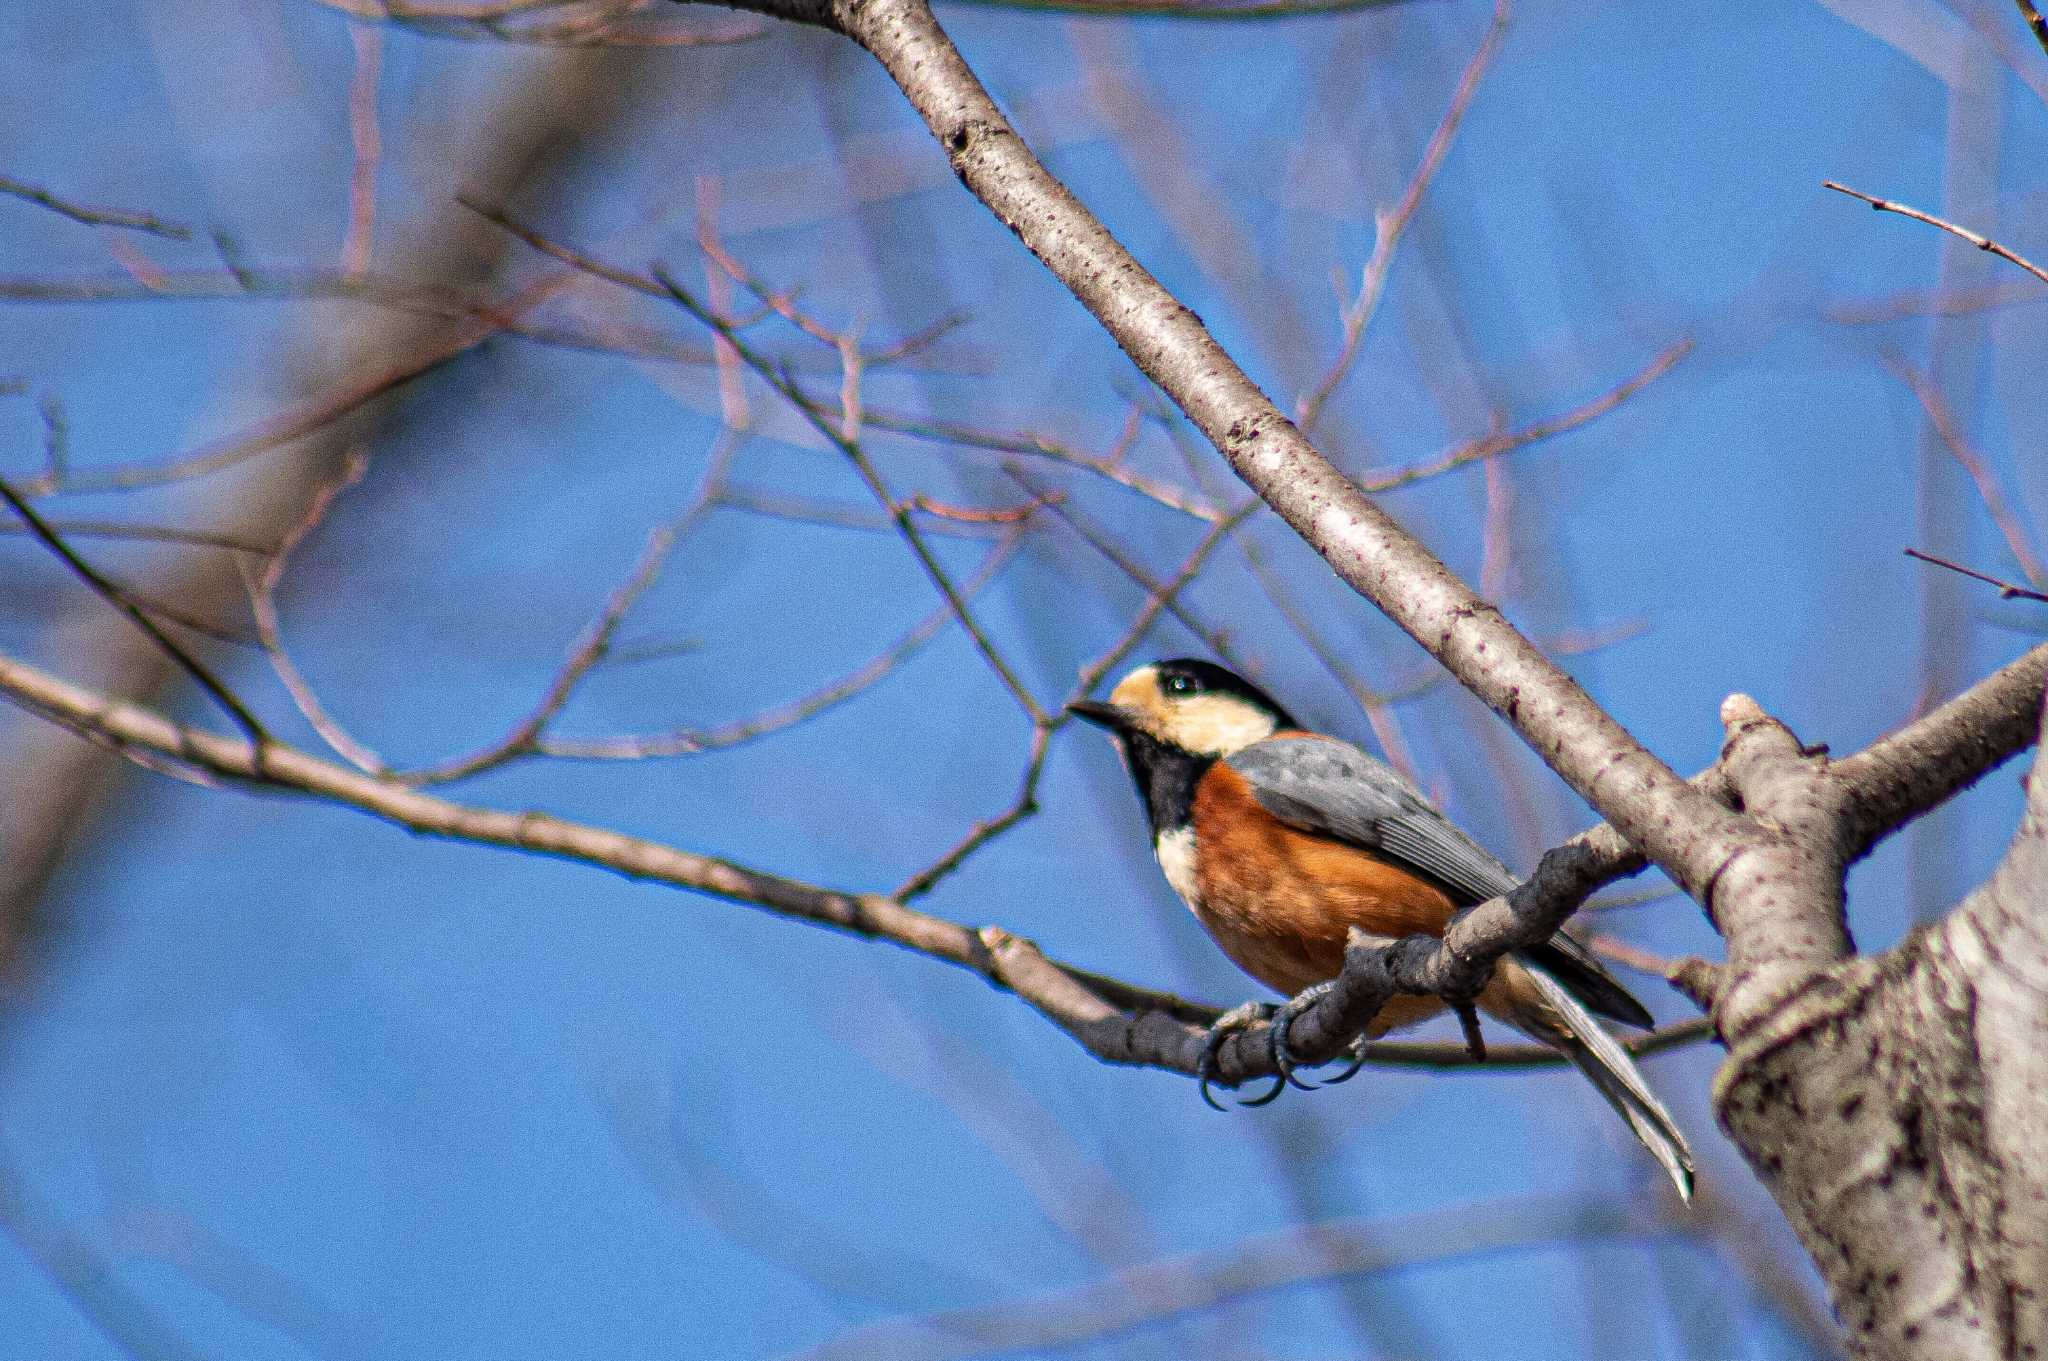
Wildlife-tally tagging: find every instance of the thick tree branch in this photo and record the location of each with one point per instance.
(1779, 902)
(2035, 23)
(1930, 761)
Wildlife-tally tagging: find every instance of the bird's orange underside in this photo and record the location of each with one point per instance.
(1280, 901)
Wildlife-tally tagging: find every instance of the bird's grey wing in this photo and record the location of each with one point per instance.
(1332, 788)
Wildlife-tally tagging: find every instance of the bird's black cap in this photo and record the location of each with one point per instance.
(1193, 676)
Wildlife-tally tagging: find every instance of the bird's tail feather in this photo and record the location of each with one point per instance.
(1610, 1069)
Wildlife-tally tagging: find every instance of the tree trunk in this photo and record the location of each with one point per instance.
(1896, 1106)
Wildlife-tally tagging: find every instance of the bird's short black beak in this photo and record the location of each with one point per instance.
(1111, 716)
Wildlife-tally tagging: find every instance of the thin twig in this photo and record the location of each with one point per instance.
(1150, 1293)
(525, 736)
(367, 140)
(976, 515)
(732, 387)
(1988, 489)
(1390, 227)
(1106, 545)
(2006, 590)
(1375, 705)
(664, 285)
(1023, 806)
(126, 604)
(690, 741)
(906, 524)
(275, 432)
(140, 267)
(56, 445)
(528, 735)
(94, 217)
(1940, 302)
(545, 23)
(1493, 445)
(1642, 897)
(1884, 205)
(1496, 535)
(1442, 1054)
(1632, 956)
(239, 282)
(1109, 467)
(112, 529)
(1160, 598)
(262, 588)
(838, 515)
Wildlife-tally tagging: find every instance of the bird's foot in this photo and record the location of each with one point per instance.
(1237, 1018)
(1280, 1019)
(1283, 1054)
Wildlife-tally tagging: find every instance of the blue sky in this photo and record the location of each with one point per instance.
(283, 1081)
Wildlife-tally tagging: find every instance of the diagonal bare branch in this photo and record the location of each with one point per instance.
(1981, 242)
(94, 217)
(1390, 227)
(140, 617)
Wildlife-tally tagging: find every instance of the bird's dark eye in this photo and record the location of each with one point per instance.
(1181, 685)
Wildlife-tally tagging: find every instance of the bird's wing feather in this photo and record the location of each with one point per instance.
(1322, 785)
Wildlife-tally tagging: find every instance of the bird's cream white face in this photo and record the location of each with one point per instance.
(1207, 724)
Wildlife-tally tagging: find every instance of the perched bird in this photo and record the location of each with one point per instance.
(1281, 840)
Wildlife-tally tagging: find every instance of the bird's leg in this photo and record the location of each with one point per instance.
(1237, 1018)
(1468, 1021)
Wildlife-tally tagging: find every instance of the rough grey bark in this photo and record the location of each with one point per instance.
(1896, 1106)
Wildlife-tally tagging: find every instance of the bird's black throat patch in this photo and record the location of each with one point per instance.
(1166, 776)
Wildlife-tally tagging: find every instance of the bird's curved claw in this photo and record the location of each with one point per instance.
(1352, 1068)
(1237, 1018)
(1283, 1055)
(1271, 1095)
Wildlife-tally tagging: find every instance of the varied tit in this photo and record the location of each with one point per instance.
(1281, 840)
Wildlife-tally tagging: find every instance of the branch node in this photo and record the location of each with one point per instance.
(1699, 979)
(1739, 710)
